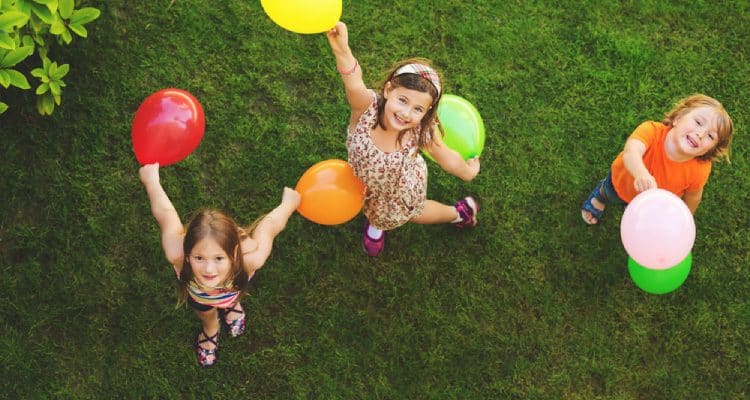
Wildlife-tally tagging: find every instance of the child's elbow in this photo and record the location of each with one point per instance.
(469, 171)
(467, 176)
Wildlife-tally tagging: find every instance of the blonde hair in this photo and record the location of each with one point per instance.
(724, 126)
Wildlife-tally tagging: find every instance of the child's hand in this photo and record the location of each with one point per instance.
(149, 173)
(291, 197)
(338, 37)
(473, 164)
(644, 182)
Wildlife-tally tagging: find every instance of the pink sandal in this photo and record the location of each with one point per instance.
(467, 209)
(373, 247)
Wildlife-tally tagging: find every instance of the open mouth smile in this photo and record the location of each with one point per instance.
(400, 120)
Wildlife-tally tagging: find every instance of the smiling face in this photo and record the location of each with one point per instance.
(694, 133)
(210, 264)
(404, 108)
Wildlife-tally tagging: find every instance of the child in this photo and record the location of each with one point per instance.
(386, 130)
(674, 155)
(214, 258)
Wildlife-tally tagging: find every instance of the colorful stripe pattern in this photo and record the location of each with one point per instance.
(214, 297)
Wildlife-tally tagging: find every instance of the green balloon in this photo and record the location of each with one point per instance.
(463, 126)
(660, 281)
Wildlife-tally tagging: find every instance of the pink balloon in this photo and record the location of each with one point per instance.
(657, 229)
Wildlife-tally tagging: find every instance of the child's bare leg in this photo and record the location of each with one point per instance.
(210, 321)
(436, 213)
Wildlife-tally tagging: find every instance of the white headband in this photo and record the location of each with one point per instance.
(423, 71)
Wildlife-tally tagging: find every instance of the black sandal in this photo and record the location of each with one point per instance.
(237, 326)
(204, 353)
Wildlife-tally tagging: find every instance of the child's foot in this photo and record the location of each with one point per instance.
(593, 207)
(206, 348)
(592, 218)
(372, 243)
(467, 210)
(236, 325)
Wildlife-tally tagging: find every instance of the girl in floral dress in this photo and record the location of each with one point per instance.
(386, 131)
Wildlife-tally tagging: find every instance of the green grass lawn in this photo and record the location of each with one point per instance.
(532, 304)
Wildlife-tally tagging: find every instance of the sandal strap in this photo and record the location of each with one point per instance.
(224, 312)
(597, 193)
(236, 326)
(209, 339)
(233, 309)
(204, 353)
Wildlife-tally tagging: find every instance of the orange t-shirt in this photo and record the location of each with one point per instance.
(676, 177)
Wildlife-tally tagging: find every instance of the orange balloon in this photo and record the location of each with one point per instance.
(331, 193)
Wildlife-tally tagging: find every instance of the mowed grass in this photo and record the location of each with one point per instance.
(531, 304)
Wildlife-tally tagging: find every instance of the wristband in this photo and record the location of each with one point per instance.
(350, 71)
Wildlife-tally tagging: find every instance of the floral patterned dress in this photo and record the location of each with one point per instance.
(396, 182)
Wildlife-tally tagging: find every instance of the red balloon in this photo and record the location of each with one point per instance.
(167, 127)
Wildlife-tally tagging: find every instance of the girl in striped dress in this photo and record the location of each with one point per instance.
(214, 259)
(386, 131)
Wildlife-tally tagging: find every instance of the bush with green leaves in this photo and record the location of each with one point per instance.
(27, 26)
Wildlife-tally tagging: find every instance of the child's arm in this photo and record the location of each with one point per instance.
(450, 161)
(268, 228)
(172, 234)
(357, 94)
(693, 199)
(632, 157)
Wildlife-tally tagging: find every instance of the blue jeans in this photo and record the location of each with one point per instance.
(610, 195)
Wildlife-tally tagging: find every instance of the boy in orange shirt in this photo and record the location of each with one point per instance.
(674, 155)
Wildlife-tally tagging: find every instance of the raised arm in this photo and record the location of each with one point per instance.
(172, 232)
(357, 94)
(632, 157)
(450, 161)
(268, 228)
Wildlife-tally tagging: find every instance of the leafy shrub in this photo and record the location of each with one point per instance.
(27, 26)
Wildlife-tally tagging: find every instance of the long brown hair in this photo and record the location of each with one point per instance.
(420, 84)
(221, 228)
(724, 125)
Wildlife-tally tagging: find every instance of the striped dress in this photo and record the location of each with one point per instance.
(214, 297)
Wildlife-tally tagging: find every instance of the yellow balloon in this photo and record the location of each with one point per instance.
(303, 16)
